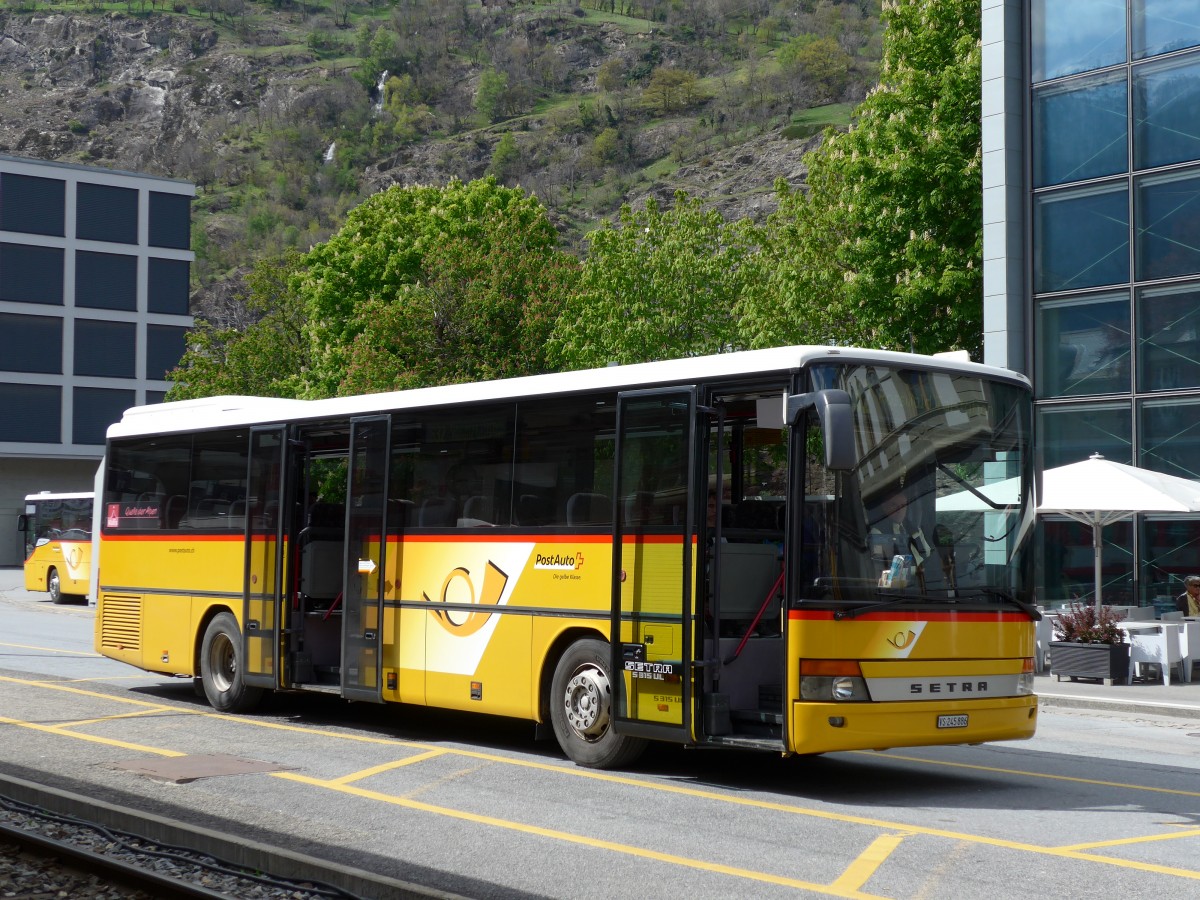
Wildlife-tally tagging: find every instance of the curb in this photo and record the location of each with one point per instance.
(1066, 701)
(243, 852)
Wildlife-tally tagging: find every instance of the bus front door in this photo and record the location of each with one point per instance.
(263, 584)
(653, 563)
(365, 577)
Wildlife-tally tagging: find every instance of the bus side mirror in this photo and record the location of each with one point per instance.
(837, 424)
(22, 522)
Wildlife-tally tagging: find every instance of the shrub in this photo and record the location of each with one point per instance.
(1079, 624)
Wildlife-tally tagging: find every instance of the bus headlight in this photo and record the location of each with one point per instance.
(832, 680)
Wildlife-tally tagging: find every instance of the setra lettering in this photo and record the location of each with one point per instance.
(948, 687)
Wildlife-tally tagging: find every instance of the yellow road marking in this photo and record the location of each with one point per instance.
(387, 767)
(53, 650)
(129, 715)
(627, 849)
(572, 771)
(1070, 778)
(1146, 838)
(860, 871)
(55, 729)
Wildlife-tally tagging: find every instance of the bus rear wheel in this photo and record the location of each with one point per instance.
(54, 586)
(221, 667)
(581, 709)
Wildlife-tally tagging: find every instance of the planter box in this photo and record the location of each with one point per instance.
(1100, 662)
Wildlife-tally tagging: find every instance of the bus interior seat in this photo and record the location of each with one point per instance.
(639, 506)
(323, 514)
(321, 570)
(175, 508)
(477, 510)
(401, 512)
(437, 512)
(532, 509)
(589, 509)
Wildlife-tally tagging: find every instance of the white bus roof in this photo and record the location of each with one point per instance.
(226, 411)
(49, 495)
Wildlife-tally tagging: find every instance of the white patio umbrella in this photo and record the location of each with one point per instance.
(1098, 492)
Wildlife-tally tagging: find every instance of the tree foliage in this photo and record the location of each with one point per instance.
(398, 247)
(885, 247)
(656, 285)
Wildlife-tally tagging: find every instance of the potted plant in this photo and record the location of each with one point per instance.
(1088, 645)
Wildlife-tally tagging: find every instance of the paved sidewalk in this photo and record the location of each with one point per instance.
(1149, 697)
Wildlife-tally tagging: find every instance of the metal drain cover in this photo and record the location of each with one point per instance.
(182, 769)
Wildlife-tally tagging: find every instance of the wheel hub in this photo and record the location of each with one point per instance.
(587, 702)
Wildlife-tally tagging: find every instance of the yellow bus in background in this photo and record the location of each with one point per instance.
(58, 544)
(683, 550)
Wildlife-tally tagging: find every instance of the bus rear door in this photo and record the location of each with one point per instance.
(263, 598)
(653, 550)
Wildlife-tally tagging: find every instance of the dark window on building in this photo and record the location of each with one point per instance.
(164, 347)
(1169, 432)
(1081, 238)
(106, 213)
(31, 344)
(1168, 225)
(1084, 345)
(32, 205)
(105, 281)
(32, 412)
(105, 348)
(1069, 36)
(1070, 434)
(155, 397)
(170, 221)
(1169, 337)
(95, 410)
(31, 274)
(1079, 130)
(1166, 95)
(167, 286)
(1160, 26)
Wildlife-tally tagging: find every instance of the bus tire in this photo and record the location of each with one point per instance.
(581, 709)
(221, 667)
(54, 586)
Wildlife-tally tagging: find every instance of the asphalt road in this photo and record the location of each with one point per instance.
(1096, 805)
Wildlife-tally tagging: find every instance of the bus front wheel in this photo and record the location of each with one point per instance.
(581, 709)
(221, 667)
(54, 586)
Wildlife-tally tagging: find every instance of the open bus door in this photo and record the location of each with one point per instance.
(263, 586)
(365, 577)
(653, 595)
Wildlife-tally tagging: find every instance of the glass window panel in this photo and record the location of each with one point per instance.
(105, 281)
(167, 286)
(1084, 346)
(31, 344)
(31, 274)
(164, 348)
(1160, 26)
(1170, 436)
(32, 205)
(1081, 238)
(1070, 434)
(1169, 337)
(1166, 96)
(106, 213)
(32, 412)
(95, 409)
(170, 220)
(1069, 36)
(1170, 552)
(1167, 212)
(1079, 130)
(105, 348)
(1069, 563)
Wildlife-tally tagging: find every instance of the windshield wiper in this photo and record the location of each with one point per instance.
(894, 600)
(1028, 608)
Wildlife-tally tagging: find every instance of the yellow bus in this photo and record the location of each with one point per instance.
(543, 548)
(57, 532)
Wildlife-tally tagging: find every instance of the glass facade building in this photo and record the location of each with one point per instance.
(94, 272)
(1092, 258)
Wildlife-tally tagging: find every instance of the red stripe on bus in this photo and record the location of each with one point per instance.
(828, 614)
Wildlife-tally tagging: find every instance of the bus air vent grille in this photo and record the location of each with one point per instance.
(121, 626)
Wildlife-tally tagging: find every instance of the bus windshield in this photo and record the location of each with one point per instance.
(54, 517)
(937, 509)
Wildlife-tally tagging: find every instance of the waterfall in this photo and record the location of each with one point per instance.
(329, 152)
(379, 86)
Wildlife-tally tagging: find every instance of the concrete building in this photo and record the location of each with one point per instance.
(94, 270)
(1091, 170)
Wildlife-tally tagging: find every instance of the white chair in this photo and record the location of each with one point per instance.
(1190, 648)
(1043, 634)
(1140, 614)
(1175, 616)
(1158, 644)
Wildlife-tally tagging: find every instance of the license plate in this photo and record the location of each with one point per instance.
(952, 722)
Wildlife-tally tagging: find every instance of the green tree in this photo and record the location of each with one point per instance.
(264, 358)
(657, 285)
(885, 246)
(490, 95)
(379, 258)
(670, 88)
(506, 156)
